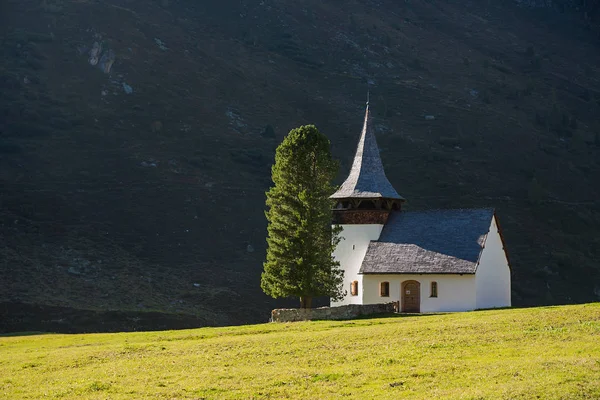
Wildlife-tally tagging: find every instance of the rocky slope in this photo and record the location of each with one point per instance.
(136, 138)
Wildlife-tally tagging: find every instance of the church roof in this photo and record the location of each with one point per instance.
(429, 242)
(367, 178)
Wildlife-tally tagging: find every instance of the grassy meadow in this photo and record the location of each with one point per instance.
(547, 353)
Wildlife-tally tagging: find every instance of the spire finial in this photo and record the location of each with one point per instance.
(368, 94)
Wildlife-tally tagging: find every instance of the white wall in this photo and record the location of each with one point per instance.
(350, 253)
(455, 292)
(493, 273)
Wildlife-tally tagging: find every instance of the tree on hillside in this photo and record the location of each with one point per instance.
(300, 237)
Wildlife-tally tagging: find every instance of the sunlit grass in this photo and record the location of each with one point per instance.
(549, 353)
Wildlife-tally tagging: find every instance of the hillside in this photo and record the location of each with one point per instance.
(137, 184)
(547, 353)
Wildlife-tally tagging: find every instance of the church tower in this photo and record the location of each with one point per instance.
(362, 206)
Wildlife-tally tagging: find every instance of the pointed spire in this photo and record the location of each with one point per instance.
(367, 178)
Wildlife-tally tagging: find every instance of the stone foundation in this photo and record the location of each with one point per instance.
(331, 313)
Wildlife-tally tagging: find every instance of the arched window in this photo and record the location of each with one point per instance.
(354, 288)
(433, 289)
(384, 289)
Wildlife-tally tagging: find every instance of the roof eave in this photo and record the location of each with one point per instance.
(416, 273)
(366, 197)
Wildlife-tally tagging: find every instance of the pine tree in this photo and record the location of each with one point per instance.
(300, 237)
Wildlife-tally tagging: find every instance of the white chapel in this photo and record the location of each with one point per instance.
(428, 261)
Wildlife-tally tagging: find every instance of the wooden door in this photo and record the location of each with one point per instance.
(411, 297)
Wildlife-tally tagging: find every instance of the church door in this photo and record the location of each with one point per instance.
(411, 297)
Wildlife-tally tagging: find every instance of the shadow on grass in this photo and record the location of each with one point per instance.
(529, 307)
(382, 315)
(397, 315)
(16, 334)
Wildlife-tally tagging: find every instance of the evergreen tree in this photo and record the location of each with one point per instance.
(300, 237)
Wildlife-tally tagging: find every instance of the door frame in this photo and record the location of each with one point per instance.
(403, 295)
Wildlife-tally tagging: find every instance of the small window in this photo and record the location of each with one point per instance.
(384, 289)
(354, 288)
(353, 247)
(433, 289)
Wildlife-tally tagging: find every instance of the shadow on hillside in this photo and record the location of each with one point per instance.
(20, 319)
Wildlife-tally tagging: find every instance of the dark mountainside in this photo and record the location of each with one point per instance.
(137, 186)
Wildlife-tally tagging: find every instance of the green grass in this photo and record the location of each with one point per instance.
(548, 353)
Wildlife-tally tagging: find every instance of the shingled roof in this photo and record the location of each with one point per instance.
(429, 242)
(367, 178)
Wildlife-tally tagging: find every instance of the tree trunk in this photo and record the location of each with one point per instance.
(305, 302)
